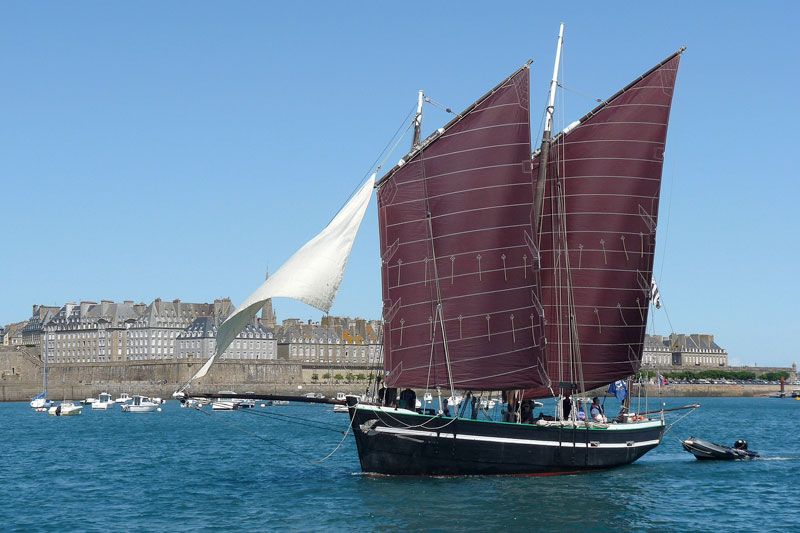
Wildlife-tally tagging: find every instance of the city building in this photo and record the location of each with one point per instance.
(155, 329)
(34, 327)
(12, 334)
(88, 332)
(334, 341)
(92, 333)
(683, 351)
(199, 341)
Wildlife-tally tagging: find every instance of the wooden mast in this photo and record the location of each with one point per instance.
(418, 120)
(544, 152)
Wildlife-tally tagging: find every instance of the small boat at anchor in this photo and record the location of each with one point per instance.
(65, 409)
(103, 402)
(226, 404)
(705, 450)
(123, 398)
(140, 404)
(341, 408)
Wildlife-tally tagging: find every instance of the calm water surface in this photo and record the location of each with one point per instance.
(183, 470)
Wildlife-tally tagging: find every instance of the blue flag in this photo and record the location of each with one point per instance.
(618, 389)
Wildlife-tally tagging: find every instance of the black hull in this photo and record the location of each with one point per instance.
(704, 450)
(402, 443)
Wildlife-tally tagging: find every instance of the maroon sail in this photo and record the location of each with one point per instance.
(598, 231)
(455, 231)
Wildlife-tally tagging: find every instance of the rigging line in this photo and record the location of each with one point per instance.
(381, 153)
(666, 229)
(579, 93)
(666, 313)
(256, 435)
(446, 109)
(372, 361)
(394, 146)
(669, 427)
(439, 304)
(291, 420)
(672, 180)
(391, 140)
(346, 434)
(412, 426)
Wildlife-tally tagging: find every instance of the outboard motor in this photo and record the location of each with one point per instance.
(740, 445)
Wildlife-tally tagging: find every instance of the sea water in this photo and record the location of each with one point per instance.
(265, 469)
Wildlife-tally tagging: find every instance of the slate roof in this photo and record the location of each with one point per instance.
(205, 327)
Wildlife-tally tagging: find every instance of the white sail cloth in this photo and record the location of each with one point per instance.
(312, 275)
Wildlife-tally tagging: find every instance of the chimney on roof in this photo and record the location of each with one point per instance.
(129, 302)
(222, 307)
(706, 340)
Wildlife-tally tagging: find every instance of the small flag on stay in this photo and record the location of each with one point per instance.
(655, 296)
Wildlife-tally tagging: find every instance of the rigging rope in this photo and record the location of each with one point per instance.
(292, 420)
(259, 437)
(346, 433)
(669, 427)
(579, 93)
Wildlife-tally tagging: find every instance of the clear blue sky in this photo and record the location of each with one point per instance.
(178, 149)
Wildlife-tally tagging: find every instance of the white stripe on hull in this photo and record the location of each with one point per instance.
(507, 440)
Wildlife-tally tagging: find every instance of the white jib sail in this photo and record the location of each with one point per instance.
(312, 275)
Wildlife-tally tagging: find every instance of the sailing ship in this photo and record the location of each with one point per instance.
(505, 269)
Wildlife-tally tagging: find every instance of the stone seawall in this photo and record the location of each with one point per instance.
(679, 390)
(21, 379)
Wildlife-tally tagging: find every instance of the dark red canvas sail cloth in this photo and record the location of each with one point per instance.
(462, 210)
(603, 184)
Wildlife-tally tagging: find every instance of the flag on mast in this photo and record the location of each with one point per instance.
(655, 296)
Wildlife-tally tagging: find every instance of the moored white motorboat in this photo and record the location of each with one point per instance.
(123, 398)
(140, 404)
(225, 404)
(65, 409)
(103, 402)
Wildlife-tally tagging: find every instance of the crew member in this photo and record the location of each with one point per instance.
(597, 411)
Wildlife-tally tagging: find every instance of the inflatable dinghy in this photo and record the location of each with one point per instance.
(703, 449)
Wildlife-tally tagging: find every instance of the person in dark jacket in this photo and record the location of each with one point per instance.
(408, 399)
